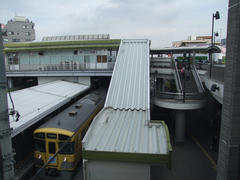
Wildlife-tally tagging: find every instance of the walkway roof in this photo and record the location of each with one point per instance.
(180, 50)
(35, 103)
(129, 87)
(123, 131)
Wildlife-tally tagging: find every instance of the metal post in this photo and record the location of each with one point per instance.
(6, 155)
(184, 86)
(211, 56)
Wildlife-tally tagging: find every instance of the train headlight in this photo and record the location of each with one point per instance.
(65, 159)
(39, 156)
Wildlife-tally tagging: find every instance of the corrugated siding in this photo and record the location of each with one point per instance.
(125, 131)
(36, 102)
(129, 87)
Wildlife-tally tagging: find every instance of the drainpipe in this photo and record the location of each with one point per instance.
(6, 155)
(180, 125)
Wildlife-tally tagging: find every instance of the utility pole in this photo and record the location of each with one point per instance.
(6, 154)
(228, 166)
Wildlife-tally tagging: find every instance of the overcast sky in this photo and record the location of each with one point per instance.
(161, 21)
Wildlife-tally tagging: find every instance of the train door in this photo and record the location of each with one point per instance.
(51, 150)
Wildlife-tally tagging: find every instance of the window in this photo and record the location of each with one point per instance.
(51, 136)
(39, 135)
(75, 52)
(40, 145)
(67, 147)
(104, 59)
(101, 59)
(40, 53)
(63, 137)
(92, 52)
(13, 59)
(51, 147)
(15, 40)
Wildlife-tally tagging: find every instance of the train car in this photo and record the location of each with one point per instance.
(58, 142)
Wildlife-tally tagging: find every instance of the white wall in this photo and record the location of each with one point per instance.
(109, 170)
(81, 80)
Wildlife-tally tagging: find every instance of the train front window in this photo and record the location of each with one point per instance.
(40, 145)
(51, 136)
(39, 135)
(66, 148)
(63, 137)
(51, 147)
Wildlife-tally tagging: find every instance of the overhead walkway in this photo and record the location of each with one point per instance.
(179, 91)
(122, 142)
(189, 93)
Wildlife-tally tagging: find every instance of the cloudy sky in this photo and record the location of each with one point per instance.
(161, 21)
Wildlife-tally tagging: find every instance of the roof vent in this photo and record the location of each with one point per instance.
(78, 106)
(73, 113)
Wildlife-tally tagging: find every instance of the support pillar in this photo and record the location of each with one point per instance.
(180, 126)
(10, 83)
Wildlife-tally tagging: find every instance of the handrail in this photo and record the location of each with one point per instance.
(178, 96)
(198, 78)
(177, 75)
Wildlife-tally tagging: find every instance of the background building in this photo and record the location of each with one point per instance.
(20, 29)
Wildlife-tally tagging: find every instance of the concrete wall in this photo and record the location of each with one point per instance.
(81, 80)
(109, 170)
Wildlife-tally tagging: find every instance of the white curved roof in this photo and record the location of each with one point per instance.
(35, 103)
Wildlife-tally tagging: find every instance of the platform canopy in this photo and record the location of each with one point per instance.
(35, 103)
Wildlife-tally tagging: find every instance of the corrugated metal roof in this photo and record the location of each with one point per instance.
(36, 102)
(126, 131)
(76, 37)
(124, 125)
(129, 87)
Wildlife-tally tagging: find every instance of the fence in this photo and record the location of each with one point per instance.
(62, 67)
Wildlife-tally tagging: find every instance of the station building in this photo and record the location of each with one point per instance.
(69, 58)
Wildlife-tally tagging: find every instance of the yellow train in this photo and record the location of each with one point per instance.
(58, 142)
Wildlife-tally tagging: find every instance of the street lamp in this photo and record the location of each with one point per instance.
(214, 16)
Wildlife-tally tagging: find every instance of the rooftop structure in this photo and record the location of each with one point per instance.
(35, 103)
(60, 45)
(193, 41)
(76, 37)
